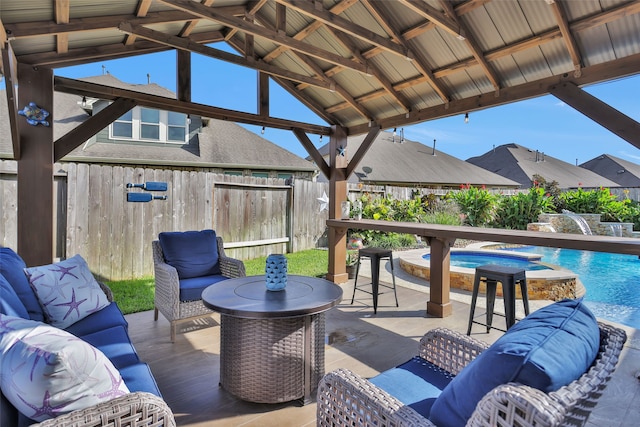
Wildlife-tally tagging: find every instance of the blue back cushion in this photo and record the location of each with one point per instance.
(10, 304)
(191, 253)
(12, 268)
(548, 349)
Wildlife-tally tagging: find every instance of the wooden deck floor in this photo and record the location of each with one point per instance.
(187, 371)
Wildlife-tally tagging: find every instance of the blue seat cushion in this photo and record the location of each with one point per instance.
(191, 253)
(106, 318)
(12, 268)
(548, 349)
(114, 342)
(10, 304)
(191, 289)
(138, 377)
(416, 383)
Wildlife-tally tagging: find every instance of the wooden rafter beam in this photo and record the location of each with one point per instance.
(418, 60)
(214, 14)
(77, 136)
(292, 88)
(567, 36)
(626, 66)
(603, 114)
(473, 46)
(61, 12)
(339, 23)
(387, 86)
(309, 29)
(438, 18)
(297, 90)
(80, 56)
(313, 151)
(362, 150)
(307, 101)
(185, 43)
(141, 12)
(43, 28)
(82, 88)
(189, 26)
(318, 72)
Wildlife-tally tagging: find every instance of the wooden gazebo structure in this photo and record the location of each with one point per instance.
(360, 65)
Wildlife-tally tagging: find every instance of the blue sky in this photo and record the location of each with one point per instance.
(545, 123)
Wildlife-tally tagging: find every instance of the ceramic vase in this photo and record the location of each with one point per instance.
(276, 272)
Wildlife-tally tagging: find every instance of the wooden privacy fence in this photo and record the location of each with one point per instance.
(255, 216)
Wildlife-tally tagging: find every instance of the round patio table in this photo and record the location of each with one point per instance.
(272, 342)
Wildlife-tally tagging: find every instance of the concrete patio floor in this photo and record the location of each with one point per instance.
(187, 371)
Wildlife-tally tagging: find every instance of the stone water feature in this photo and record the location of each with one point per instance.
(569, 222)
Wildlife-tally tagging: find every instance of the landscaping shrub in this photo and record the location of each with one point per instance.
(443, 212)
(581, 201)
(477, 204)
(515, 212)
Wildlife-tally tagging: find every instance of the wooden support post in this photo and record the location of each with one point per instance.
(337, 194)
(35, 169)
(183, 75)
(439, 304)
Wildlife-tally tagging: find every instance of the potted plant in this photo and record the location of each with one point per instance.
(352, 261)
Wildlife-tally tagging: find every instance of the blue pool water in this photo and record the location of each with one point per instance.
(471, 259)
(612, 281)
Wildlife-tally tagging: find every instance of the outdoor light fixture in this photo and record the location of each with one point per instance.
(320, 138)
(262, 131)
(84, 101)
(466, 117)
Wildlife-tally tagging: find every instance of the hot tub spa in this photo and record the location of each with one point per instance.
(544, 281)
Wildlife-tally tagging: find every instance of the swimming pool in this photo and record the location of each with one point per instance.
(473, 259)
(612, 281)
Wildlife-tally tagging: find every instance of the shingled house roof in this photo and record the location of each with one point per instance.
(217, 144)
(622, 172)
(520, 164)
(409, 163)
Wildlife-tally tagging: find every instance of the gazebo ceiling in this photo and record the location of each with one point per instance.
(356, 63)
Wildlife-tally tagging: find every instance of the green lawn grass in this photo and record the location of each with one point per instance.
(136, 295)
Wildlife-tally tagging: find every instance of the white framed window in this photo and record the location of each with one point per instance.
(123, 127)
(150, 125)
(176, 126)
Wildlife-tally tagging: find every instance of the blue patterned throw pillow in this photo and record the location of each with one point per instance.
(47, 372)
(67, 291)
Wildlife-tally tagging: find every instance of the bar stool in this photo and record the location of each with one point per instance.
(509, 277)
(375, 255)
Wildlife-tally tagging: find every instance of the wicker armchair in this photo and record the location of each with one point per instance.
(167, 289)
(140, 409)
(346, 399)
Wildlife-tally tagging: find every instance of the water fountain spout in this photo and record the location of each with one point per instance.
(580, 222)
(616, 230)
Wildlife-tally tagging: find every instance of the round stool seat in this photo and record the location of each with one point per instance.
(509, 278)
(375, 255)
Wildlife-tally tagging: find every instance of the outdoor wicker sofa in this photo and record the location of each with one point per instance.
(346, 399)
(80, 366)
(178, 286)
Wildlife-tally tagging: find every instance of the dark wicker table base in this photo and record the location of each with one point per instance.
(272, 360)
